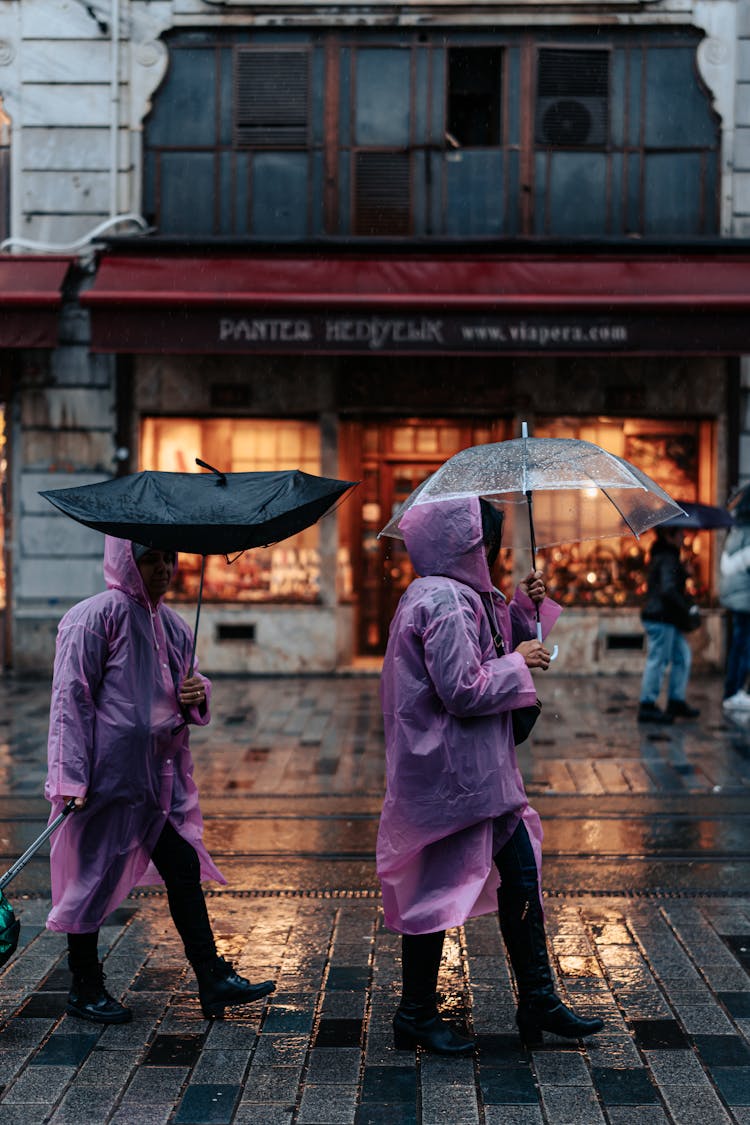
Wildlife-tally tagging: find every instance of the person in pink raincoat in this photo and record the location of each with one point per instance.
(122, 699)
(457, 836)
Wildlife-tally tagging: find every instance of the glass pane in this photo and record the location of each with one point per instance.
(382, 97)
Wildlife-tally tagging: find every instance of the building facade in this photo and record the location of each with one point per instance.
(376, 234)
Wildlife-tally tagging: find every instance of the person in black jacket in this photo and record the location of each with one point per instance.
(667, 615)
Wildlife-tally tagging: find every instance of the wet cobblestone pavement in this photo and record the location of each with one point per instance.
(647, 885)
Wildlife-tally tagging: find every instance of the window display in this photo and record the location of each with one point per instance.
(612, 572)
(288, 572)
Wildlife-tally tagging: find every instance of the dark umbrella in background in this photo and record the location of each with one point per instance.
(211, 513)
(700, 517)
(738, 504)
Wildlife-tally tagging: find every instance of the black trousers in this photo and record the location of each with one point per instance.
(177, 862)
(519, 893)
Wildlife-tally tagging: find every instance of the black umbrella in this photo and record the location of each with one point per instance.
(211, 513)
(699, 517)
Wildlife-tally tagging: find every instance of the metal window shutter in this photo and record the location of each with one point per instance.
(382, 195)
(271, 98)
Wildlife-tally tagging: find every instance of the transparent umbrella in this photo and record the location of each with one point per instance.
(568, 489)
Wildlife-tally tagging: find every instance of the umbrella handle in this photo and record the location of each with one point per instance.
(34, 848)
(539, 637)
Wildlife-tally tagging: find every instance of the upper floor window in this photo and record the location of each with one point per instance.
(572, 105)
(474, 97)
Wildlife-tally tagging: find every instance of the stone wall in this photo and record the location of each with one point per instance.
(65, 425)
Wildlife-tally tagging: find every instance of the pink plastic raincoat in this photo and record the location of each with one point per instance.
(118, 664)
(454, 793)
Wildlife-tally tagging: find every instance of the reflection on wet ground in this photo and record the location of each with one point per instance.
(647, 842)
(291, 776)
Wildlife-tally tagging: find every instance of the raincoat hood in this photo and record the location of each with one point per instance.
(444, 538)
(121, 570)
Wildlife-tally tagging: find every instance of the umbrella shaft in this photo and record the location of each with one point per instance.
(34, 848)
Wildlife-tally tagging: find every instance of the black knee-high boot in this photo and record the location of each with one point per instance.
(417, 1022)
(539, 1007)
(522, 925)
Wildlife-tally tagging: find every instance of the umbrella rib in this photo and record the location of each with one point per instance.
(622, 514)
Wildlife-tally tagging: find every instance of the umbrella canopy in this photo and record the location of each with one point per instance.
(699, 517)
(202, 513)
(580, 490)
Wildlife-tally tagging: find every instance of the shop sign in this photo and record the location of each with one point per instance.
(207, 330)
(427, 333)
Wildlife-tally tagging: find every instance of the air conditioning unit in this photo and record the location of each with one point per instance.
(572, 122)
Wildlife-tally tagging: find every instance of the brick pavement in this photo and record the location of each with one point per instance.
(290, 777)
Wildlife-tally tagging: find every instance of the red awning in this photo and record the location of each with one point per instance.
(30, 298)
(293, 302)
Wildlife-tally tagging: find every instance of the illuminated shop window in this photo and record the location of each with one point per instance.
(612, 572)
(288, 572)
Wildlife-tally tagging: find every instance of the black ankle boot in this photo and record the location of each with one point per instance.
(415, 1026)
(417, 1022)
(219, 987)
(89, 1000)
(539, 1007)
(548, 1013)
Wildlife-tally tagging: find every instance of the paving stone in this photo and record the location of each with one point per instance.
(736, 1003)
(86, 1104)
(694, 1105)
(155, 1085)
(11, 1062)
(279, 1050)
(722, 1050)
(375, 1113)
(508, 1085)
(41, 1084)
(65, 1050)
(449, 1105)
(637, 1115)
(128, 1114)
(23, 1114)
(220, 1066)
(733, 1083)
(339, 1065)
(207, 1104)
(561, 1068)
(328, 1105)
(272, 1083)
(105, 1068)
(673, 1066)
(654, 1034)
(522, 1115)
(566, 1104)
(338, 1033)
(624, 1087)
(253, 1113)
